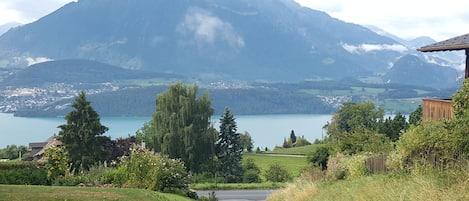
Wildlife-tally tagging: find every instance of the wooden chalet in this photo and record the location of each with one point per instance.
(437, 109)
(38, 148)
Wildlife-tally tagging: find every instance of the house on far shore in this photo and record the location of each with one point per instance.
(38, 148)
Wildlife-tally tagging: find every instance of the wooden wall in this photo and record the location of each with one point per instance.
(437, 109)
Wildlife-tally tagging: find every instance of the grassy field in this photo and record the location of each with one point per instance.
(303, 150)
(380, 187)
(39, 193)
(294, 164)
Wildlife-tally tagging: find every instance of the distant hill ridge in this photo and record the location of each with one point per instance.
(73, 71)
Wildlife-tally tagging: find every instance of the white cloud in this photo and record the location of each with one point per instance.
(32, 61)
(408, 19)
(365, 48)
(206, 28)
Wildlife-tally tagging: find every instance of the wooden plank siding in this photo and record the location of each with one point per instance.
(437, 109)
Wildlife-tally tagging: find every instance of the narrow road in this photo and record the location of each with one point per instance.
(238, 195)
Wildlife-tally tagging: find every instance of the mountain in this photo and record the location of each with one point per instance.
(452, 59)
(204, 39)
(75, 71)
(5, 27)
(411, 70)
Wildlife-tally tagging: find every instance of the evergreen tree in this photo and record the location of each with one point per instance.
(181, 127)
(293, 137)
(229, 148)
(82, 135)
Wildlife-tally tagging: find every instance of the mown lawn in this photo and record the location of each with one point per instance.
(39, 193)
(294, 164)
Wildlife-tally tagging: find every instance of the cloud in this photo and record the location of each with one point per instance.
(204, 28)
(365, 48)
(32, 61)
(407, 19)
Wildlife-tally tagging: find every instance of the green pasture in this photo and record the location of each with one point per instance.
(294, 164)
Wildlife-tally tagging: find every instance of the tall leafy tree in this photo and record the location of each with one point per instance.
(181, 127)
(229, 148)
(82, 135)
(352, 116)
(246, 141)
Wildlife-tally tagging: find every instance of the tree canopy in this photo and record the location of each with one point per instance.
(181, 127)
(82, 135)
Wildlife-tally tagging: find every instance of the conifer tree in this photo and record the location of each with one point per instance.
(229, 148)
(82, 135)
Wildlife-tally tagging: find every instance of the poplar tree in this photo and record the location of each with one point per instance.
(182, 126)
(82, 135)
(229, 148)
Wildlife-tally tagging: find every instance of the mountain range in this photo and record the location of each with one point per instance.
(248, 40)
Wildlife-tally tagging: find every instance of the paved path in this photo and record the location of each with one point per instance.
(238, 195)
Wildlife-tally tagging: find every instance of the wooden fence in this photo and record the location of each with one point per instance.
(376, 165)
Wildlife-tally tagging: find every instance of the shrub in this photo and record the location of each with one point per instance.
(251, 172)
(23, 173)
(277, 173)
(57, 162)
(336, 167)
(147, 170)
(356, 166)
(117, 176)
(319, 157)
(428, 144)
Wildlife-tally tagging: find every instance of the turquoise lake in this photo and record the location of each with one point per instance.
(266, 130)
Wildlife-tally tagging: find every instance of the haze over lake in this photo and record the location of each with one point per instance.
(266, 130)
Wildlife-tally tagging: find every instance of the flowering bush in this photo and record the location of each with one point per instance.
(148, 170)
(356, 166)
(336, 167)
(57, 162)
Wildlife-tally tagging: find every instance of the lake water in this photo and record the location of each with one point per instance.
(266, 130)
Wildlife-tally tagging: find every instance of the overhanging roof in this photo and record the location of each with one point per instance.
(456, 43)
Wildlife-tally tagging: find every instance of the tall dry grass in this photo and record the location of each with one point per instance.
(449, 185)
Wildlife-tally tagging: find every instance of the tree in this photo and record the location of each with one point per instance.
(82, 135)
(228, 148)
(354, 128)
(293, 137)
(416, 116)
(246, 141)
(181, 127)
(393, 128)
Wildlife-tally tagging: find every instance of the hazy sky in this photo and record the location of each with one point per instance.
(405, 18)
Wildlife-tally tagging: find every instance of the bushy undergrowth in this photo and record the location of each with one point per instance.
(23, 173)
(439, 185)
(147, 170)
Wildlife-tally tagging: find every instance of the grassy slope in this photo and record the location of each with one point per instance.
(16, 192)
(379, 187)
(303, 150)
(293, 164)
